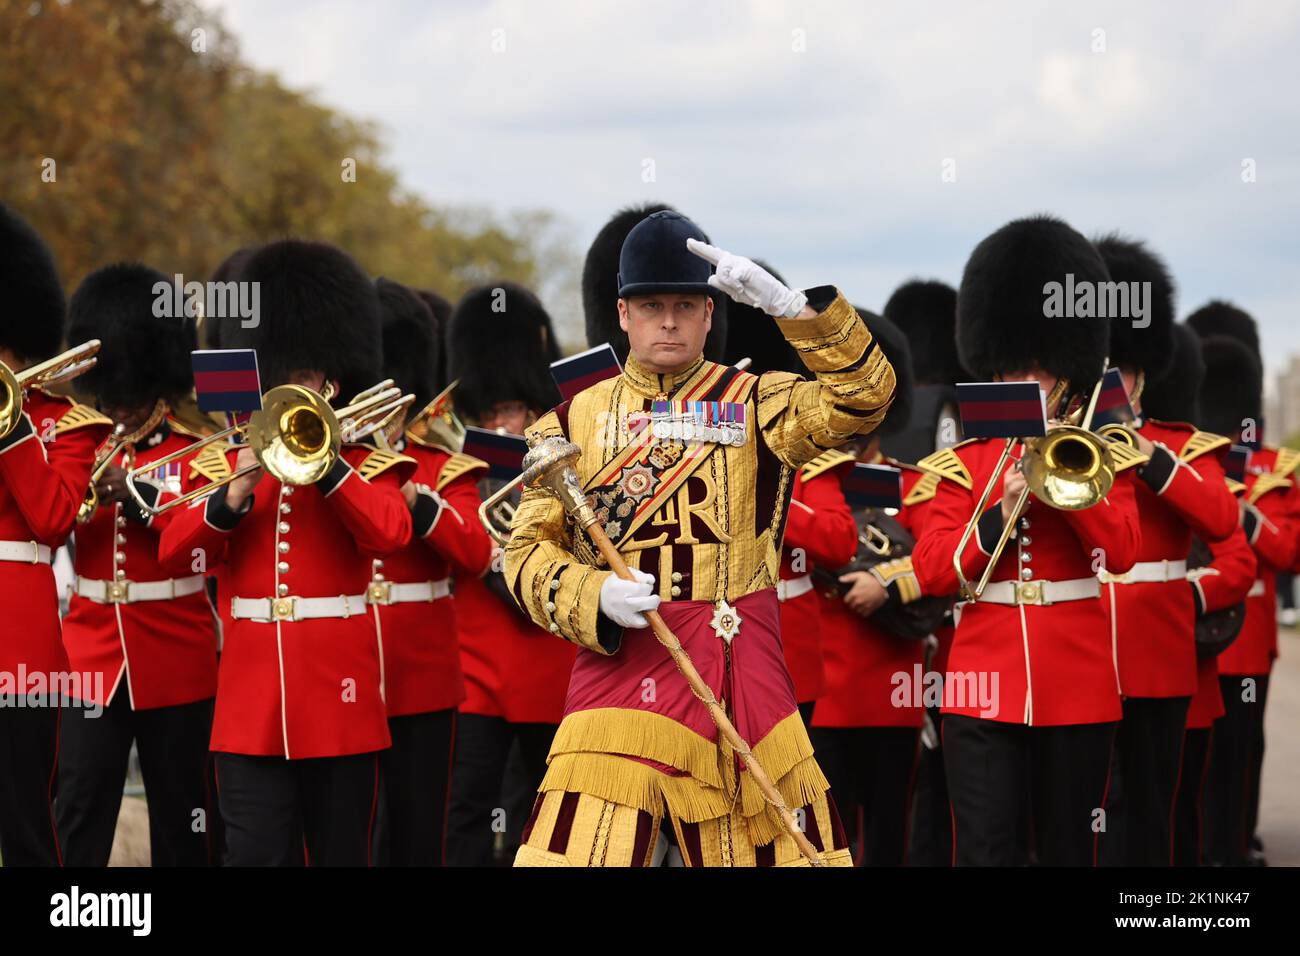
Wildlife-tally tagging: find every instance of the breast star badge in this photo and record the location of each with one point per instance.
(725, 622)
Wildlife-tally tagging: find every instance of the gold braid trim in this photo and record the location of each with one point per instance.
(380, 460)
(1236, 487)
(455, 466)
(1288, 459)
(79, 416)
(641, 733)
(211, 463)
(635, 784)
(945, 463)
(1126, 457)
(923, 490)
(900, 572)
(1265, 483)
(1200, 443)
(825, 462)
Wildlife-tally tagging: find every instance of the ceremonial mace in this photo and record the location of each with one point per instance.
(550, 465)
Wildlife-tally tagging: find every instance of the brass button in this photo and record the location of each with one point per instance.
(283, 547)
(676, 591)
(120, 575)
(1026, 573)
(284, 527)
(1026, 540)
(1026, 557)
(677, 577)
(282, 567)
(121, 539)
(282, 589)
(119, 557)
(284, 508)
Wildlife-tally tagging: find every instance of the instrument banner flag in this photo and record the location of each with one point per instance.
(874, 486)
(1113, 405)
(503, 452)
(226, 380)
(585, 369)
(1236, 461)
(1002, 409)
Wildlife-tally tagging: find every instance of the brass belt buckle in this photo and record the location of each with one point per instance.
(1029, 592)
(380, 592)
(284, 608)
(116, 592)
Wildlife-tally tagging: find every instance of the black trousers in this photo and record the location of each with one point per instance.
(999, 774)
(317, 811)
(1191, 787)
(29, 746)
(870, 771)
(1232, 788)
(173, 746)
(931, 829)
(1144, 782)
(414, 789)
(476, 814)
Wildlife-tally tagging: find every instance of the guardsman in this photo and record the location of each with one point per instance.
(147, 635)
(864, 732)
(690, 464)
(1230, 402)
(926, 312)
(410, 597)
(1031, 700)
(47, 452)
(819, 529)
(300, 716)
(1182, 492)
(501, 345)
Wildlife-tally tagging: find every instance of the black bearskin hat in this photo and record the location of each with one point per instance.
(891, 340)
(1232, 391)
(144, 357)
(411, 342)
(1001, 320)
(441, 309)
(926, 312)
(228, 271)
(318, 310)
(1218, 317)
(1172, 397)
(32, 326)
(500, 346)
(753, 334)
(1149, 348)
(600, 287)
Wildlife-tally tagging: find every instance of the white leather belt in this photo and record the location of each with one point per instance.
(1040, 592)
(294, 608)
(1147, 572)
(391, 592)
(128, 592)
(25, 552)
(788, 590)
(1258, 589)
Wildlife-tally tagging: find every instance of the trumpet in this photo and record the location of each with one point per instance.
(295, 436)
(63, 367)
(1070, 468)
(436, 425)
(117, 441)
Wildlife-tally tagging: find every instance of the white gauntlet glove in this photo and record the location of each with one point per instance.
(624, 602)
(748, 283)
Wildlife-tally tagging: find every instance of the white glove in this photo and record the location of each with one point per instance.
(624, 602)
(748, 283)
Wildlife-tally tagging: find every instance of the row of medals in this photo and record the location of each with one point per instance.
(688, 429)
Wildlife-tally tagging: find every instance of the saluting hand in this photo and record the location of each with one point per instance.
(749, 283)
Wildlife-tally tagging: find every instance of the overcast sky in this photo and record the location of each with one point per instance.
(816, 134)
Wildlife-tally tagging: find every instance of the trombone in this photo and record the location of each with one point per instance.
(1070, 468)
(295, 436)
(63, 367)
(117, 441)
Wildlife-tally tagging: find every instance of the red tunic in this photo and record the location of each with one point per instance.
(308, 688)
(870, 672)
(820, 531)
(164, 652)
(422, 670)
(1052, 663)
(45, 467)
(1225, 582)
(1271, 528)
(1180, 491)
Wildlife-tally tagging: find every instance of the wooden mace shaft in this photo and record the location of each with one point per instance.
(701, 690)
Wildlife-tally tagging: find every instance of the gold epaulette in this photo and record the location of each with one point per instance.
(1269, 481)
(1288, 459)
(455, 466)
(923, 490)
(825, 462)
(1125, 456)
(380, 460)
(899, 571)
(945, 463)
(1200, 443)
(1234, 486)
(211, 463)
(79, 416)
